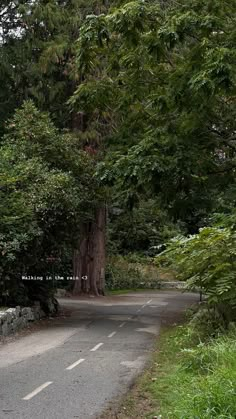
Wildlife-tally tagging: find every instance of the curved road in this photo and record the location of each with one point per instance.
(80, 363)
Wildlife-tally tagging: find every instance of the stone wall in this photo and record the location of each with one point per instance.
(14, 319)
(178, 285)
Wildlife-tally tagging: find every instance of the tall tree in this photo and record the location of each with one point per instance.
(38, 62)
(167, 81)
(46, 181)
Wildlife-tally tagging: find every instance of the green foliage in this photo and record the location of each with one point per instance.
(210, 393)
(196, 381)
(47, 189)
(139, 229)
(151, 89)
(209, 321)
(204, 357)
(131, 272)
(163, 79)
(207, 261)
(38, 54)
(188, 378)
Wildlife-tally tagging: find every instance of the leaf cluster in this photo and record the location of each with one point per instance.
(207, 262)
(47, 188)
(164, 80)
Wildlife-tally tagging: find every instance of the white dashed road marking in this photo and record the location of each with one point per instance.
(96, 347)
(122, 324)
(75, 364)
(37, 390)
(145, 305)
(111, 335)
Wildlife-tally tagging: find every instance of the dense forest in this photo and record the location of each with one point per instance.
(117, 140)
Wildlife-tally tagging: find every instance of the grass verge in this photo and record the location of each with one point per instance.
(187, 379)
(127, 291)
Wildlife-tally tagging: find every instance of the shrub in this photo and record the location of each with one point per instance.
(131, 272)
(208, 261)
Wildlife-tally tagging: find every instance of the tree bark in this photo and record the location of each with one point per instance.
(89, 259)
(97, 252)
(89, 256)
(80, 258)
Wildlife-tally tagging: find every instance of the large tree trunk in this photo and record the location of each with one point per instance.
(89, 258)
(80, 261)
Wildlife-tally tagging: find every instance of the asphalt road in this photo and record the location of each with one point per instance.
(78, 365)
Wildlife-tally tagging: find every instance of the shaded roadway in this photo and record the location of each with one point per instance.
(79, 364)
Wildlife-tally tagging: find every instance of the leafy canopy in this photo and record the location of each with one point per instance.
(163, 79)
(47, 187)
(207, 261)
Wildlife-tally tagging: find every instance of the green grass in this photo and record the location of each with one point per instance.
(117, 292)
(188, 379)
(126, 291)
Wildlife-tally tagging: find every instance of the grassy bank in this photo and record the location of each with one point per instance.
(188, 379)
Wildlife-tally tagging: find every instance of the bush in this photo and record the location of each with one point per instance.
(208, 322)
(208, 261)
(131, 272)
